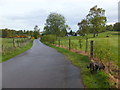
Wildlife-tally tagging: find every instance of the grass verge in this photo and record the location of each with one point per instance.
(96, 80)
(16, 52)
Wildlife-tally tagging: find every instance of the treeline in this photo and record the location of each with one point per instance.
(9, 33)
(94, 22)
(114, 27)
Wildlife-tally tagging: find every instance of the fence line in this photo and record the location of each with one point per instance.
(13, 43)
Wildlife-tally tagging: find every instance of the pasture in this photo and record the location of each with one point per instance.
(13, 46)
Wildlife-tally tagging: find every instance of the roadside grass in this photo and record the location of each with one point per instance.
(16, 51)
(96, 80)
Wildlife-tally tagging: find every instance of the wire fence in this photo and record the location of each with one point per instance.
(9, 45)
(100, 51)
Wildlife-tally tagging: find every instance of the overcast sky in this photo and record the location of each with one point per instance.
(25, 14)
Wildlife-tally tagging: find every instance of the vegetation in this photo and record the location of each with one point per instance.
(94, 23)
(93, 27)
(36, 32)
(105, 48)
(10, 49)
(55, 25)
(48, 38)
(9, 33)
(100, 43)
(116, 26)
(15, 42)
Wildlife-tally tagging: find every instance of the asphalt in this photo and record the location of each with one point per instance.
(40, 67)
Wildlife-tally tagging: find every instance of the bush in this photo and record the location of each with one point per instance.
(48, 38)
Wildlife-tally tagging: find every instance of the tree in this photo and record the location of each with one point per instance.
(71, 32)
(97, 20)
(36, 31)
(116, 26)
(109, 27)
(55, 24)
(83, 27)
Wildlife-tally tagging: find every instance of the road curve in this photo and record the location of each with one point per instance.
(40, 67)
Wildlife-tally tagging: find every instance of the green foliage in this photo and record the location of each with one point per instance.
(9, 33)
(116, 26)
(97, 20)
(105, 48)
(71, 33)
(48, 38)
(103, 51)
(9, 51)
(55, 24)
(109, 27)
(94, 23)
(36, 32)
(83, 27)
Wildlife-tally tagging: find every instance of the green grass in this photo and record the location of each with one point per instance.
(96, 80)
(109, 45)
(10, 51)
(100, 35)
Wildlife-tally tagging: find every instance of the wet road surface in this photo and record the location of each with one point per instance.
(40, 67)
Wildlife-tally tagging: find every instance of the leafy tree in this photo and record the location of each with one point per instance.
(83, 27)
(36, 31)
(97, 20)
(71, 32)
(55, 24)
(116, 26)
(109, 27)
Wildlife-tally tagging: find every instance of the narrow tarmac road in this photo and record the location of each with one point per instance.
(40, 67)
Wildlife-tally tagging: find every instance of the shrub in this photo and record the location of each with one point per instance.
(48, 38)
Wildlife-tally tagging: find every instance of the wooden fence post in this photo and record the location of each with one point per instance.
(17, 43)
(3, 49)
(91, 49)
(53, 41)
(69, 44)
(86, 45)
(13, 42)
(59, 42)
(80, 43)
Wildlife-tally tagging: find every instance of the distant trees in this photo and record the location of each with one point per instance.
(116, 26)
(8, 33)
(109, 27)
(94, 23)
(55, 24)
(36, 31)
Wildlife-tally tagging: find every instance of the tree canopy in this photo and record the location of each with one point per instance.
(116, 26)
(36, 31)
(94, 22)
(55, 24)
(97, 20)
(83, 27)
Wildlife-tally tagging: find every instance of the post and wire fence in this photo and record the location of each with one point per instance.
(9, 45)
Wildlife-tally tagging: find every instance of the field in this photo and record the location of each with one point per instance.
(107, 45)
(12, 46)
